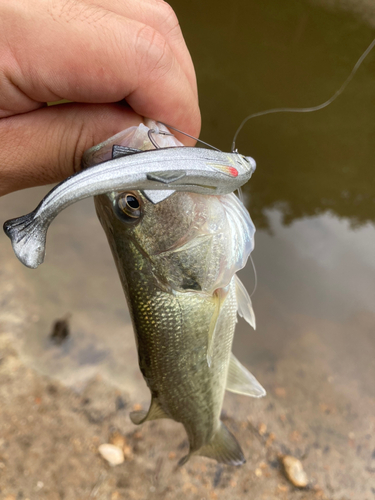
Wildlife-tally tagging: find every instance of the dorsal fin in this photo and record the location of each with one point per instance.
(119, 151)
(245, 307)
(241, 381)
(166, 177)
(155, 412)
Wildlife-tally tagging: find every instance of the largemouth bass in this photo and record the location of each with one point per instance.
(177, 262)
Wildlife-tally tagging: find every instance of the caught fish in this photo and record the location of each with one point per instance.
(178, 239)
(177, 261)
(164, 170)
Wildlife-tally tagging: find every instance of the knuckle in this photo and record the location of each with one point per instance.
(155, 55)
(168, 14)
(62, 10)
(167, 19)
(148, 38)
(69, 143)
(70, 11)
(80, 140)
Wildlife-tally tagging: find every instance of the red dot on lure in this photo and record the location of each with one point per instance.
(233, 171)
(227, 170)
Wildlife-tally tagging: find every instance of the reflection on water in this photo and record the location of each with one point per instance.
(312, 199)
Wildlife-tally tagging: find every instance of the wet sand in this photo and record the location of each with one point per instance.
(319, 409)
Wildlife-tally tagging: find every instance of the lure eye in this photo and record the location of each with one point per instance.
(128, 208)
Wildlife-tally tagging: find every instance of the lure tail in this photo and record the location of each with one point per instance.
(28, 236)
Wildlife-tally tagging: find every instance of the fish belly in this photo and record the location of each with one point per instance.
(172, 331)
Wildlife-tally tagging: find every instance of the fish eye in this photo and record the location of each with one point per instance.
(128, 208)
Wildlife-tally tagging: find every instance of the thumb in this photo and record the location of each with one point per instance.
(46, 146)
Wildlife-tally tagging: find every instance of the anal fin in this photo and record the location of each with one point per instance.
(155, 412)
(241, 381)
(245, 307)
(223, 448)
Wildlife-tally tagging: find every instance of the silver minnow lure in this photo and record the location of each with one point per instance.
(196, 170)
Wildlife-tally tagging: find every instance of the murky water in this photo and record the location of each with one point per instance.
(312, 199)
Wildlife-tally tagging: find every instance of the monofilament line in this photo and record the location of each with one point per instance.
(313, 108)
(188, 135)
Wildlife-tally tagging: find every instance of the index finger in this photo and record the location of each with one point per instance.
(159, 15)
(98, 56)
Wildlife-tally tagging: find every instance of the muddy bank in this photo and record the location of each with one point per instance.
(50, 436)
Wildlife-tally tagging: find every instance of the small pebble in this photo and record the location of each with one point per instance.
(128, 452)
(262, 429)
(111, 453)
(60, 330)
(280, 392)
(294, 471)
(258, 472)
(117, 439)
(282, 488)
(271, 438)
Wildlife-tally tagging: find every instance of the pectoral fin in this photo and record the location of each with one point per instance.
(155, 412)
(241, 381)
(223, 448)
(245, 307)
(218, 297)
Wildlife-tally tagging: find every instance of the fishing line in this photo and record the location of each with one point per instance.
(240, 196)
(191, 137)
(255, 276)
(300, 110)
(283, 110)
(311, 109)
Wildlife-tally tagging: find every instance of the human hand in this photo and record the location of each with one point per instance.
(96, 53)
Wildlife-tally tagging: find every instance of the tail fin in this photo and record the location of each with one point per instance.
(223, 448)
(28, 237)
